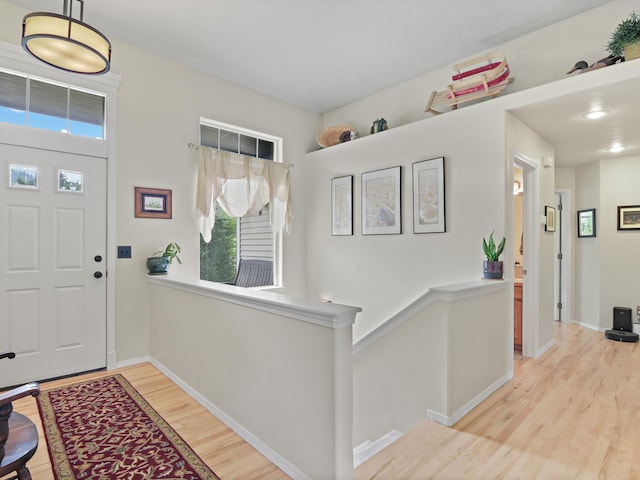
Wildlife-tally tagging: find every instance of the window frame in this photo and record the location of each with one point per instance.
(277, 157)
(69, 88)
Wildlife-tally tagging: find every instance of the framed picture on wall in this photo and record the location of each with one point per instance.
(152, 203)
(381, 214)
(587, 223)
(428, 196)
(342, 205)
(550, 215)
(629, 217)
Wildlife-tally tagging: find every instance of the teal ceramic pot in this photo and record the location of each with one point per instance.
(158, 265)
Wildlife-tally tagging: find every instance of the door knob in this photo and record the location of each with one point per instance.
(97, 274)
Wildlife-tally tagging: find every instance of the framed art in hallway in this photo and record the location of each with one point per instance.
(550, 215)
(428, 196)
(629, 217)
(153, 203)
(381, 214)
(342, 205)
(587, 223)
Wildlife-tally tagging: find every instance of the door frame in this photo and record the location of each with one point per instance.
(566, 225)
(14, 58)
(530, 247)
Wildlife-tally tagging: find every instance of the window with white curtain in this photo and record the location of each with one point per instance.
(249, 237)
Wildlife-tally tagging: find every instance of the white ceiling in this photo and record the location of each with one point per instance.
(317, 54)
(324, 54)
(578, 140)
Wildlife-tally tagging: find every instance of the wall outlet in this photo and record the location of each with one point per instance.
(124, 251)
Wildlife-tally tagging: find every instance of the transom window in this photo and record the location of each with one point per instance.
(248, 237)
(38, 103)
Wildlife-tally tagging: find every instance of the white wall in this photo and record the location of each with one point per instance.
(537, 58)
(587, 251)
(285, 382)
(540, 57)
(384, 273)
(606, 266)
(159, 106)
(439, 361)
(402, 375)
(619, 259)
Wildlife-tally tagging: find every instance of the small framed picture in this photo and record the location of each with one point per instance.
(23, 176)
(587, 223)
(550, 214)
(69, 181)
(428, 196)
(629, 217)
(381, 214)
(152, 203)
(342, 205)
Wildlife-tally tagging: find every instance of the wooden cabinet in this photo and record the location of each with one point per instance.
(517, 316)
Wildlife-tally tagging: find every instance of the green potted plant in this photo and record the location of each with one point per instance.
(492, 267)
(158, 263)
(625, 40)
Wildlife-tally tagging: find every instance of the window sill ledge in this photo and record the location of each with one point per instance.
(329, 315)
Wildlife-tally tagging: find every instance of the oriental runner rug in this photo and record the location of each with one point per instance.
(103, 429)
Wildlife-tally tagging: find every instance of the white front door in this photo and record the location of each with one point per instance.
(52, 263)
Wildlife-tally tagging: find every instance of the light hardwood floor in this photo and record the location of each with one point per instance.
(226, 453)
(574, 413)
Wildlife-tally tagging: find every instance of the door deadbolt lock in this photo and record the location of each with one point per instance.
(98, 258)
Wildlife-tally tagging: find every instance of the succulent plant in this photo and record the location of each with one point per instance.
(491, 250)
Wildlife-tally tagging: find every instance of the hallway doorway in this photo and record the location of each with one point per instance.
(530, 255)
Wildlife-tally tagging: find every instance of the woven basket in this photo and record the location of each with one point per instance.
(329, 136)
(631, 52)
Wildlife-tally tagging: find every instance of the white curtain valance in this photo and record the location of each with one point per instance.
(242, 186)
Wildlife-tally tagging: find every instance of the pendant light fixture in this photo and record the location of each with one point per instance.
(66, 43)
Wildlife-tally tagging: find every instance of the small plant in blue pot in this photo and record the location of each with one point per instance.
(158, 264)
(492, 267)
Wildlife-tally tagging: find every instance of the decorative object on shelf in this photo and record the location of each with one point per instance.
(492, 267)
(625, 40)
(378, 125)
(583, 66)
(629, 217)
(587, 223)
(550, 215)
(158, 263)
(428, 196)
(66, 43)
(152, 203)
(342, 205)
(381, 200)
(477, 78)
(329, 136)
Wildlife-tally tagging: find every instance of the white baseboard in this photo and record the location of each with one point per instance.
(546, 347)
(133, 361)
(275, 458)
(590, 326)
(470, 405)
